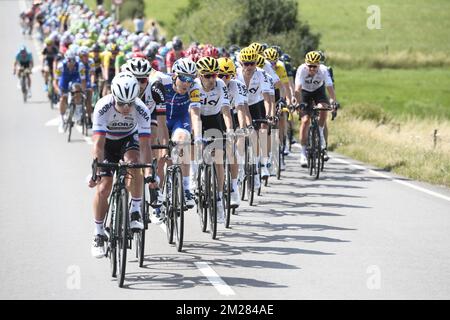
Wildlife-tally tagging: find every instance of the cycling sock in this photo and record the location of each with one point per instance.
(135, 205)
(186, 183)
(99, 229)
(220, 195)
(234, 184)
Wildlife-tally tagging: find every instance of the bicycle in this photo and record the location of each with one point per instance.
(117, 220)
(149, 199)
(23, 75)
(174, 205)
(315, 152)
(51, 93)
(207, 190)
(247, 185)
(69, 122)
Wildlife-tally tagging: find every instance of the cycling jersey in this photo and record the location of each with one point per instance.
(281, 72)
(212, 102)
(237, 94)
(65, 76)
(271, 72)
(24, 60)
(107, 121)
(153, 96)
(50, 54)
(86, 71)
(312, 83)
(177, 105)
(258, 84)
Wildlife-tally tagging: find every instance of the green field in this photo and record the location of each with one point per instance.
(411, 25)
(424, 93)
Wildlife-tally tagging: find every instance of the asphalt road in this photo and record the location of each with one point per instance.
(357, 233)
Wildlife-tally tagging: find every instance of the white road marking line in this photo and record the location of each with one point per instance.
(214, 279)
(53, 122)
(163, 227)
(410, 185)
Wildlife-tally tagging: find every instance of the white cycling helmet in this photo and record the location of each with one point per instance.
(125, 87)
(184, 66)
(139, 67)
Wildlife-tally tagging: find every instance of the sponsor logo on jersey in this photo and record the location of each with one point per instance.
(206, 102)
(143, 113)
(253, 90)
(104, 109)
(195, 95)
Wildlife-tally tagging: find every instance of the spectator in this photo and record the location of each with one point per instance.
(139, 24)
(153, 32)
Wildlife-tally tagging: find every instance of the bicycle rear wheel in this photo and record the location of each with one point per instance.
(69, 122)
(23, 85)
(212, 200)
(123, 236)
(317, 152)
(178, 205)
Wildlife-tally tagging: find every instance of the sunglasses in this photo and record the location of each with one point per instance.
(123, 104)
(224, 76)
(209, 75)
(142, 80)
(186, 79)
(249, 63)
(312, 66)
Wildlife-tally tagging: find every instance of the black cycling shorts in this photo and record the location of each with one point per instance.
(116, 149)
(313, 98)
(258, 112)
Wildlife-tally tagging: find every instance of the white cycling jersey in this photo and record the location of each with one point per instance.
(237, 94)
(114, 125)
(272, 73)
(312, 83)
(212, 102)
(258, 84)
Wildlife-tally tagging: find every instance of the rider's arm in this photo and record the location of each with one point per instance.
(298, 86)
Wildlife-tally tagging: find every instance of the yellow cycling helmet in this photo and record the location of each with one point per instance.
(312, 57)
(248, 54)
(260, 61)
(226, 66)
(207, 65)
(257, 47)
(271, 54)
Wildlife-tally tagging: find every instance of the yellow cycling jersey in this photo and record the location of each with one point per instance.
(280, 70)
(97, 61)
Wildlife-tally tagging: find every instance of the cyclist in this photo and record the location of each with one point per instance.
(153, 95)
(310, 82)
(121, 131)
(237, 92)
(49, 54)
(283, 97)
(95, 56)
(87, 74)
(181, 95)
(24, 59)
(259, 101)
(212, 116)
(175, 53)
(67, 73)
(108, 66)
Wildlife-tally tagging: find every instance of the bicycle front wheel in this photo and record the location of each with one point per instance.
(202, 197)
(178, 205)
(169, 206)
(123, 236)
(212, 200)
